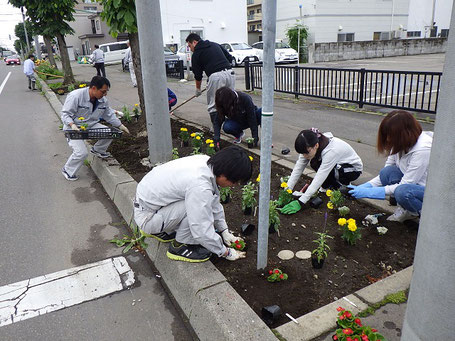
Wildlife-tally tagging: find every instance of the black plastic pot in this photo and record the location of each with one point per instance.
(316, 264)
(228, 198)
(315, 202)
(393, 201)
(344, 190)
(250, 145)
(271, 313)
(247, 229)
(185, 143)
(285, 151)
(247, 210)
(272, 228)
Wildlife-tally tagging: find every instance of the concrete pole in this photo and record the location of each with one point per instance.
(431, 305)
(432, 17)
(268, 77)
(25, 30)
(37, 47)
(298, 36)
(154, 80)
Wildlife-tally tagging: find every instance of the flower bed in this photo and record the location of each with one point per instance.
(346, 269)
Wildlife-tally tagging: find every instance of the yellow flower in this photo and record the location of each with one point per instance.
(83, 128)
(136, 105)
(193, 134)
(82, 85)
(350, 221)
(342, 221)
(284, 185)
(328, 193)
(198, 137)
(289, 191)
(81, 118)
(352, 227)
(251, 158)
(211, 145)
(258, 179)
(208, 141)
(330, 205)
(183, 129)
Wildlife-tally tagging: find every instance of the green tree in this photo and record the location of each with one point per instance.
(50, 18)
(20, 33)
(292, 34)
(18, 45)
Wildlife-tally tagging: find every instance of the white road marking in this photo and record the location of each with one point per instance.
(62, 289)
(4, 82)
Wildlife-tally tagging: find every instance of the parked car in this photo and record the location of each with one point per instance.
(182, 53)
(283, 52)
(14, 59)
(170, 58)
(242, 52)
(114, 52)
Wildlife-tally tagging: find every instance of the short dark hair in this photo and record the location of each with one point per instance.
(96, 46)
(233, 162)
(31, 56)
(193, 37)
(306, 139)
(226, 102)
(398, 132)
(99, 82)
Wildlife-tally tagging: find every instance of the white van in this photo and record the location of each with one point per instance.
(114, 52)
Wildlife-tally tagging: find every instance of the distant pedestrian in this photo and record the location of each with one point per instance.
(29, 70)
(238, 112)
(215, 61)
(128, 60)
(97, 59)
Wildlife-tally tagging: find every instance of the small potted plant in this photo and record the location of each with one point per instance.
(276, 275)
(210, 147)
(248, 199)
(196, 142)
(184, 136)
(175, 154)
(336, 199)
(239, 244)
(250, 142)
(136, 112)
(274, 217)
(350, 230)
(225, 194)
(343, 211)
(285, 195)
(320, 253)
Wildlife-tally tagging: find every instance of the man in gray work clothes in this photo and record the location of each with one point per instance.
(97, 59)
(215, 61)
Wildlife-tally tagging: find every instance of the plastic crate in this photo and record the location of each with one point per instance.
(95, 134)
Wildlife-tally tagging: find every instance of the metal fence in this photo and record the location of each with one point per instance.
(409, 90)
(175, 69)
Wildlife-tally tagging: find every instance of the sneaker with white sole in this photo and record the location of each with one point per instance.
(188, 253)
(100, 154)
(163, 237)
(238, 140)
(67, 176)
(400, 215)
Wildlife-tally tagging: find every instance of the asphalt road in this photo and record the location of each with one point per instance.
(49, 224)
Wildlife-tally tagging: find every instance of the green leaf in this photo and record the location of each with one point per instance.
(116, 3)
(128, 247)
(120, 15)
(129, 18)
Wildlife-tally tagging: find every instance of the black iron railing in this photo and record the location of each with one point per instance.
(409, 90)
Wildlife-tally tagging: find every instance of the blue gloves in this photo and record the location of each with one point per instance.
(365, 191)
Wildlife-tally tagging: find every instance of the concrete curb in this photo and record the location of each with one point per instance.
(215, 310)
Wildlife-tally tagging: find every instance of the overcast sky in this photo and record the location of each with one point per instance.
(9, 17)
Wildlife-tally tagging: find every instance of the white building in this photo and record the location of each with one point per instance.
(344, 20)
(215, 20)
(421, 13)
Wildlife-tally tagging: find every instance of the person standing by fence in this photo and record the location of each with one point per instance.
(97, 58)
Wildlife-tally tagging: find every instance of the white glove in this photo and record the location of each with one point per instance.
(234, 254)
(74, 127)
(119, 114)
(124, 129)
(229, 238)
(198, 92)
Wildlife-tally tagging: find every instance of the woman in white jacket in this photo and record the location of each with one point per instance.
(404, 176)
(335, 162)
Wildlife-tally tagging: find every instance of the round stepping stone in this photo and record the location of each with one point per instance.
(304, 254)
(285, 254)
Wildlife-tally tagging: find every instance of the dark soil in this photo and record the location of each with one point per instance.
(346, 269)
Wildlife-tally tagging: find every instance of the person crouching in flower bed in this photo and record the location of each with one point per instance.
(179, 202)
(404, 176)
(335, 162)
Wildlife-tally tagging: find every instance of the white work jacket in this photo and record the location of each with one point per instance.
(335, 153)
(97, 56)
(29, 67)
(414, 164)
(192, 180)
(77, 105)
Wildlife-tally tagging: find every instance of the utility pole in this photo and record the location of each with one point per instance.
(37, 47)
(431, 305)
(269, 29)
(432, 17)
(298, 36)
(154, 79)
(25, 29)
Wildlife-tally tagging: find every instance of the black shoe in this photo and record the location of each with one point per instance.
(188, 253)
(29, 87)
(100, 154)
(164, 237)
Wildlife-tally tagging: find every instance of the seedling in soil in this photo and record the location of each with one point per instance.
(126, 114)
(225, 194)
(196, 151)
(344, 211)
(210, 147)
(248, 193)
(276, 275)
(87, 163)
(350, 230)
(285, 195)
(321, 250)
(184, 136)
(274, 217)
(238, 245)
(137, 240)
(175, 153)
(136, 112)
(196, 140)
(250, 142)
(336, 198)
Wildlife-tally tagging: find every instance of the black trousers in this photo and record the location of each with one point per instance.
(342, 174)
(100, 71)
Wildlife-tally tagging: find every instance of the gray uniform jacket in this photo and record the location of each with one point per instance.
(77, 105)
(97, 56)
(192, 180)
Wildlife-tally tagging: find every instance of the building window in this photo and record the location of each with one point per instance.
(250, 2)
(252, 27)
(413, 34)
(93, 26)
(342, 37)
(97, 22)
(259, 10)
(444, 33)
(90, 8)
(259, 26)
(381, 36)
(89, 1)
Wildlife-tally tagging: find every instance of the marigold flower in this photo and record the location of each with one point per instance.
(289, 191)
(352, 226)
(183, 129)
(342, 222)
(81, 118)
(258, 179)
(198, 137)
(136, 105)
(328, 193)
(251, 158)
(350, 220)
(348, 331)
(284, 185)
(211, 145)
(82, 85)
(330, 205)
(83, 128)
(208, 141)
(193, 134)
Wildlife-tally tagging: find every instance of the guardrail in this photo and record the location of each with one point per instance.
(408, 90)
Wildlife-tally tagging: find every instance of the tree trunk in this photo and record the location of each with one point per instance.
(68, 72)
(50, 54)
(136, 54)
